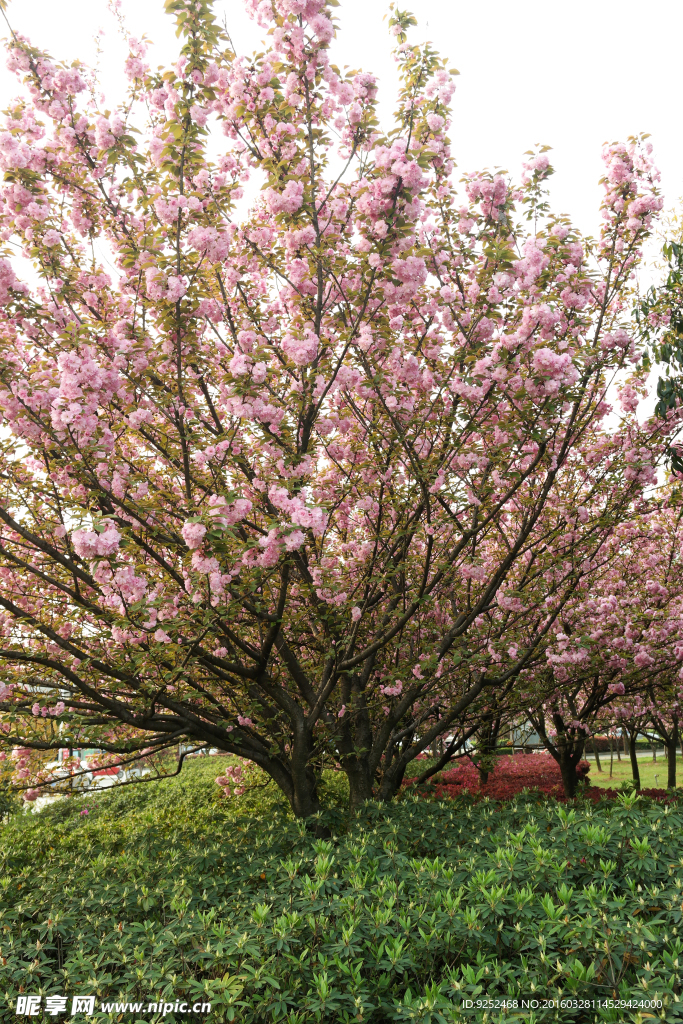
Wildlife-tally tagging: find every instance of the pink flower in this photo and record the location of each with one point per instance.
(287, 201)
(198, 115)
(85, 543)
(162, 637)
(244, 721)
(239, 364)
(301, 350)
(88, 544)
(52, 238)
(294, 540)
(193, 534)
(176, 288)
(550, 364)
(8, 281)
(322, 27)
(356, 613)
(205, 564)
(131, 587)
(159, 286)
(109, 541)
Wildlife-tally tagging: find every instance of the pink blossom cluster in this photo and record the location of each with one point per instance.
(234, 775)
(88, 544)
(57, 710)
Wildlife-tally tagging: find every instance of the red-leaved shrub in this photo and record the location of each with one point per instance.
(509, 777)
(512, 774)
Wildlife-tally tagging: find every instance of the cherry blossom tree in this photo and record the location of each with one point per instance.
(659, 313)
(633, 716)
(665, 719)
(620, 645)
(309, 481)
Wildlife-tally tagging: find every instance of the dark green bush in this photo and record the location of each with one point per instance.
(168, 890)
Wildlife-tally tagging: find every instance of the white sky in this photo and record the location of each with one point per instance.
(568, 75)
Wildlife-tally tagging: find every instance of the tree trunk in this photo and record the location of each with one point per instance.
(596, 754)
(305, 800)
(566, 752)
(302, 788)
(672, 745)
(611, 755)
(356, 743)
(627, 743)
(635, 770)
(360, 784)
(296, 779)
(305, 803)
(570, 755)
(568, 772)
(616, 744)
(391, 782)
(671, 749)
(488, 739)
(484, 747)
(653, 748)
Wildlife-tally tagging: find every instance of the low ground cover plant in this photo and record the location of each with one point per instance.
(407, 910)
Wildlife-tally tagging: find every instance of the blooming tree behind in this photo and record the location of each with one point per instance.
(618, 646)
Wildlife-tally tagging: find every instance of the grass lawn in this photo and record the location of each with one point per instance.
(621, 772)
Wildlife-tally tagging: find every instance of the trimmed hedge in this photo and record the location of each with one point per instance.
(168, 891)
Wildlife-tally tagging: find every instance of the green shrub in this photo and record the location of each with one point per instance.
(166, 889)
